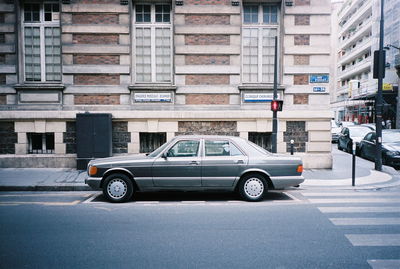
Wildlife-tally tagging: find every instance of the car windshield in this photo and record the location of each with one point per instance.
(391, 137)
(359, 132)
(258, 148)
(157, 151)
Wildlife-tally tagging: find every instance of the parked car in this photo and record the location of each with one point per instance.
(372, 126)
(390, 147)
(346, 123)
(194, 163)
(351, 134)
(335, 131)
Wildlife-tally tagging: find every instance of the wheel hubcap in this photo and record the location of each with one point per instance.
(117, 188)
(254, 187)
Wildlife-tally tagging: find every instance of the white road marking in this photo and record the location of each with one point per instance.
(384, 264)
(377, 209)
(374, 240)
(43, 203)
(365, 221)
(351, 194)
(354, 200)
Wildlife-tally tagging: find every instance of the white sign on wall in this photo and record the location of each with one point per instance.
(152, 97)
(259, 97)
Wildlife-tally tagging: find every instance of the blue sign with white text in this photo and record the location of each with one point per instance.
(319, 78)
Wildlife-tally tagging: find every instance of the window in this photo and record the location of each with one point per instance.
(151, 141)
(221, 148)
(153, 43)
(40, 143)
(42, 46)
(261, 139)
(186, 148)
(260, 26)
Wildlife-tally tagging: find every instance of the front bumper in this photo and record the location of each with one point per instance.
(393, 160)
(94, 182)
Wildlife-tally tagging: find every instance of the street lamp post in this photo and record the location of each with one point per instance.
(275, 112)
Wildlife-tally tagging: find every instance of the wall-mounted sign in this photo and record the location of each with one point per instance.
(387, 87)
(152, 97)
(319, 78)
(259, 97)
(319, 89)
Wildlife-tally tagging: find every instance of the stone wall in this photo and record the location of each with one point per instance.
(69, 137)
(207, 128)
(8, 137)
(296, 130)
(120, 137)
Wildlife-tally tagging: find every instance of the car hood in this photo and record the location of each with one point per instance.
(357, 139)
(120, 159)
(392, 146)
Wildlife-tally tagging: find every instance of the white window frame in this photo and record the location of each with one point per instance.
(41, 24)
(153, 25)
(260, 26)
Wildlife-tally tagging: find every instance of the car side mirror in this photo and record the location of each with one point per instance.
(165, 155)
(374, 141)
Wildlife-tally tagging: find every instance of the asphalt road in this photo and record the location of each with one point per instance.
(294, 229)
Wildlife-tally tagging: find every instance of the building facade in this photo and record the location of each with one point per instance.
(358, 38)
(162, 68)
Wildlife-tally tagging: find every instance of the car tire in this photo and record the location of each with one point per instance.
(117, 188)
(252, 187)
(338, 146)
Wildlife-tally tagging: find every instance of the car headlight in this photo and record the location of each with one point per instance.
(392, 153)
(92, 170)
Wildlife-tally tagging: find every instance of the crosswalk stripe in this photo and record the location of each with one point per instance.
(365, 221)
(372, 209)
(374, 240)
(351, 194)
(354, 200)
(384, 264)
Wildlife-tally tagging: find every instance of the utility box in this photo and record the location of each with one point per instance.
(93, 137)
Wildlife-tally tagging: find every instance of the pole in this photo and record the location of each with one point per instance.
(291, 147)
(353, 167)
(275, 113)
(378, 100)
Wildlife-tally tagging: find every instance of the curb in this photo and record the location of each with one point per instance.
(46, 188)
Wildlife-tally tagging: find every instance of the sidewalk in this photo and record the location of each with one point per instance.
(339, 177)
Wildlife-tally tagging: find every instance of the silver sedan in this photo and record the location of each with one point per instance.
(196, 163)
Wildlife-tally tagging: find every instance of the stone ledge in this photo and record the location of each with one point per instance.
(152, 87)
(39, 86)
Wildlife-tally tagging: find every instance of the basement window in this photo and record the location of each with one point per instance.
(151, 141)
(261, 139)
(40, 143)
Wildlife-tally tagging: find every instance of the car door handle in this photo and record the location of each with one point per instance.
(239, 162)
(194, 163)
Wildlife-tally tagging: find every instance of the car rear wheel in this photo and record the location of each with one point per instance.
(118, 188)
(252, 187)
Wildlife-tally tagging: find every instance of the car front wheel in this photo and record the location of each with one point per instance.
(118, 188)
(252, 187)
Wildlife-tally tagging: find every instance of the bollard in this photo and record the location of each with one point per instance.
(291, 146)
(353, 169)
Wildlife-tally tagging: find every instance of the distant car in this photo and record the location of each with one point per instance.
(372, 126)
(194, 163)
(335, 131)
(351, 134)
(346, 123)
(390, 147)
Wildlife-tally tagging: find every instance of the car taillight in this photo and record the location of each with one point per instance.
(299, 169)
(92, 170)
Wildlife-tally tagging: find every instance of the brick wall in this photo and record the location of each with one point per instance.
(207, 79)
(69, 137)
(207, 128)
(301, 40)
(300, 79)
(95, 59)
(3, 99)
(207, 19)
(207, 40)
(301, 2)
(8, 137)
(120, 137)
(207, 59)
(301, 59)
(207, 2)
(296, 130)
(96, 100)
(301, 19)
(97, 1)
(207, 99)
(95, 38)
(96, 79)
(300, 99)
(88, 18)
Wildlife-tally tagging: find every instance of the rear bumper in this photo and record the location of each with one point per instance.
(94, 182)
(283, 182)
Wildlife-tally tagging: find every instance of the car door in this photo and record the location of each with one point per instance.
(370, 146)
(222, 162)
(342, 138)
(179, 165)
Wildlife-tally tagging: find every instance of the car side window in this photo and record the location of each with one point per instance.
(368, 137)
(373, 137)
(221, 148)
(185, 148)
